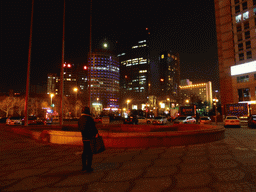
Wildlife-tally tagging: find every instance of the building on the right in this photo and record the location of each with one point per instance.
(236, 40)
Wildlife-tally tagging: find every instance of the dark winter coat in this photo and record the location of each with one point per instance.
(87, 127)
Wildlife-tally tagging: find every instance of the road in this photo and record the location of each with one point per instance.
(226, 165)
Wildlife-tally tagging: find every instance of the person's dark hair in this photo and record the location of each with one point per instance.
(86, 110)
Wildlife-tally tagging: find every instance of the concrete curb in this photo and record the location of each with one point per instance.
(189, 135)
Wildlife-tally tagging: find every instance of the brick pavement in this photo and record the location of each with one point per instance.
(226, 165)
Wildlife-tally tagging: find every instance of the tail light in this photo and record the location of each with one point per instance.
(237, 121)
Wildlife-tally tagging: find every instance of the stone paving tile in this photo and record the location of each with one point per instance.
(106, 166)
(192, 180)
(194, 159)
(130, 165)
(52, 164)
(65, 170)
(230, 163)
(123, 175)
(152, 184)
(24, 173)
(230, 187)
(166, 162)
(194, 168)
(201, 189)
(81, 179)
(31, 183)
(119, 158)
(168, 155)
(160, 171)
(220, 157)
(5, 183)
(196, 153)
(143, 157)
(18, 166)
(228, 175)
(66, 189)
(110, 186)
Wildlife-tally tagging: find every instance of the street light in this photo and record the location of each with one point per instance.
(215, 101)
(128, 101)
(51, 95)
(76, 90)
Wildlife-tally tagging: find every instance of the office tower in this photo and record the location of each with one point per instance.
(235, 26)
(105, 78)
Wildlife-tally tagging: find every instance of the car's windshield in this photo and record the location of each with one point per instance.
(181, 118)
(204, 118)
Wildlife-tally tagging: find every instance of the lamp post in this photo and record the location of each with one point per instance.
(76, 90)
(215, 101)
(51, 95)
(128, 101)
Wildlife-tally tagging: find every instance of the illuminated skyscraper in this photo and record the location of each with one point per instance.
(104, 80)
(235, 26)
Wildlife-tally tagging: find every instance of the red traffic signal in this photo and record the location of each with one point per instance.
(85, 67)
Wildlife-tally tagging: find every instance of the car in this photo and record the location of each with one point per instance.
(184, 120)
(98, 119)
(252, 121)
(131, 120)
(205, 120)
(32, 120)
(16, 120)
(159, 120)
(232, 121)
(142, 120)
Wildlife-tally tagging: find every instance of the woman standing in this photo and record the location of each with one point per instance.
(88, 129)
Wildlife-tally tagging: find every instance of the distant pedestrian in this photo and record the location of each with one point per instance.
(88, 129)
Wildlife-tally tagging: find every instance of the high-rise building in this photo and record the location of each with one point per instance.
(52, 83)
(169, 69)
(105, 78)
(135, 75)
(235, 26)
(202, 91)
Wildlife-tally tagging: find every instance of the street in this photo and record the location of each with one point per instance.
(225, 165)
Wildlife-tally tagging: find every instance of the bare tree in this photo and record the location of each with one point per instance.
(7, 104)
(19, 104)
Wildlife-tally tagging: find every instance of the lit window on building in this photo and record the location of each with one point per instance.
(238, 18)
(162, 56)
(246, 15)
(242, 79)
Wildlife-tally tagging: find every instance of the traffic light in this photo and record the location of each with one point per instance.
(85, 67)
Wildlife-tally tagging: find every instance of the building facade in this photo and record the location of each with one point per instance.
(105, 77)
(135, 75)
(169, 65)
(202, 91)
(52, 83)
(235, 26)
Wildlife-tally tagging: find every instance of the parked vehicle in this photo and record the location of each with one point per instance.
(232, 121)
(159, 120)
(142, 120)
(14, 121)
(184, 120)
(32, 120)
(205, 120)
(98, 119)
(252, 121)
(131, 120)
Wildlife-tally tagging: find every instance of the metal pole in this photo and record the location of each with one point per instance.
(28, 69)
(62, 70)
(90, 55)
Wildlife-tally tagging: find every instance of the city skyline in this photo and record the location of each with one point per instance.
(187, 28)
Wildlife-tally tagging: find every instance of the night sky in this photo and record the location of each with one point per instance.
(185, 26)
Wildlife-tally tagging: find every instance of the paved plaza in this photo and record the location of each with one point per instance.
(226, 165)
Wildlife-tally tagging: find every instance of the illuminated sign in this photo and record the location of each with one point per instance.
(243, 68)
